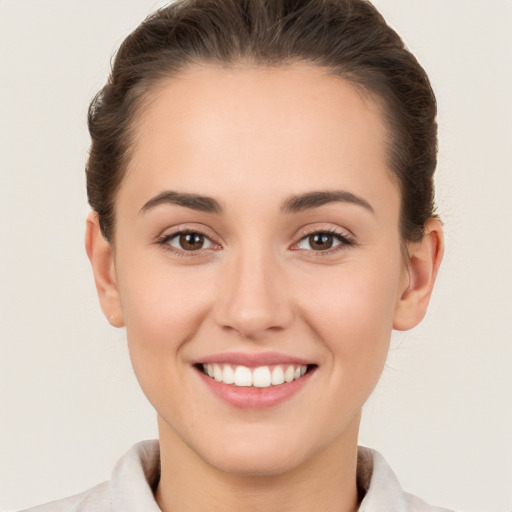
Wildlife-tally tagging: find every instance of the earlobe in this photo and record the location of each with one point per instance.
(101, 257)
(423, 263)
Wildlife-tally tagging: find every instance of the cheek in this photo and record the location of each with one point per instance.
(352, 312)
(163, 307)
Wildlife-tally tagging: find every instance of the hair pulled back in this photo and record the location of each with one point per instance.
(348, 37)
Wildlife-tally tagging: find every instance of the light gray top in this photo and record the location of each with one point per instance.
(136, 475)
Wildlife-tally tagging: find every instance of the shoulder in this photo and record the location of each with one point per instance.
(418, 505)
(381, 488)
(96, 499)
(130, 489)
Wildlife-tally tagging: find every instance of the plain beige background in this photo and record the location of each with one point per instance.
(69, 403)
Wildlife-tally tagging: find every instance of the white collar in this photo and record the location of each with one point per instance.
(136, 476)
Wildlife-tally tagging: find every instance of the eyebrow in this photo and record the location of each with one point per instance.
(193, 201)
(294, 204)
(319, 198)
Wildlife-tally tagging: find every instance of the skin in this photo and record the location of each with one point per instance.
(252, 138)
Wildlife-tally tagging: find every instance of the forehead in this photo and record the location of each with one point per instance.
(290, 128)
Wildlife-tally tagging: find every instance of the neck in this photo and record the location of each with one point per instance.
(325, 482)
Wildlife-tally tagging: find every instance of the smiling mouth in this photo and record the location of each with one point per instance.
(259, 377)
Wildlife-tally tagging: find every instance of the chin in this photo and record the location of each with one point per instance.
(255, 461)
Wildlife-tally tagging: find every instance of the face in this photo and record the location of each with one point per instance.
(257, 230)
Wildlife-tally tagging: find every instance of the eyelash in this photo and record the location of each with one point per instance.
(344, 240)
(164, 240)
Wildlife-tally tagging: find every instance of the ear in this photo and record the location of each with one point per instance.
(423, 260)
(102, 261)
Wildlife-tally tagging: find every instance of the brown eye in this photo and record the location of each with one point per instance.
(320, 241)
(323, 241)
(189, 241)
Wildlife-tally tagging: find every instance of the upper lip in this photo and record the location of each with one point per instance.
(252, 360)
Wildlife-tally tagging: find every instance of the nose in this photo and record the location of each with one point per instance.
(253, 298)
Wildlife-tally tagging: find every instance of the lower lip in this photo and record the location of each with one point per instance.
(246, 397)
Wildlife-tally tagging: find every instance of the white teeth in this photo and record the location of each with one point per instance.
(217, 373)
(243, 376)
(260, 377)
(289, 374)
(228, 375)
(277, 376)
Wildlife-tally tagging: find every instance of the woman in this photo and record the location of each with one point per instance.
(261, 180)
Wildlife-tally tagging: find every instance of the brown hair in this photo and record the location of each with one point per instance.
(349, 37)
